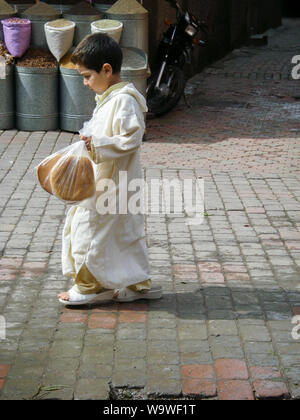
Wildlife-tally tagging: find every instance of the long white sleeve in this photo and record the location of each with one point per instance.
(127, 130)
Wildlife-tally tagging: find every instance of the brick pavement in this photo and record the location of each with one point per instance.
(244, 114)
(223, 329)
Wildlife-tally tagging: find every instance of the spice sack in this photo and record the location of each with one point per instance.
(68, 174)
(17, 34)
(59, 36)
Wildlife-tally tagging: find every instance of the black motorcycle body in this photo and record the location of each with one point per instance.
(179, 51)
(167, 83)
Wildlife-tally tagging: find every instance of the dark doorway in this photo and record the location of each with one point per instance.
(290, 8)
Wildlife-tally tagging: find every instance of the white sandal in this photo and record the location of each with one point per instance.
(127, 295)
(76, 298)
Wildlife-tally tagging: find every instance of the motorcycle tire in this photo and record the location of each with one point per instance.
(159, 104)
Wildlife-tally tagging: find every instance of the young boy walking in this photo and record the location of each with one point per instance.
(106, 254)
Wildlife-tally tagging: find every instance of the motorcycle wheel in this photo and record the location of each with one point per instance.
(161, 101)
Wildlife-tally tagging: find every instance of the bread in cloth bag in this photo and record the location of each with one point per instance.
(43, 172)
(72, 179)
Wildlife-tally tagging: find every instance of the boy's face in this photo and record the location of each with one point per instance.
(97, 82)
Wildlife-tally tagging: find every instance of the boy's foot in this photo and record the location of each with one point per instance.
(127, 295)
(74, 298)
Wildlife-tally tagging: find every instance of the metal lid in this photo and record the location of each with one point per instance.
(72, 72)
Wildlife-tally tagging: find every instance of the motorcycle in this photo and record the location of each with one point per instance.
(166, 86)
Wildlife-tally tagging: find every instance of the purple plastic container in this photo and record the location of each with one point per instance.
(16, 35)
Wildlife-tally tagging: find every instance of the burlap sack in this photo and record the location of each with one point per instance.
(59, 39)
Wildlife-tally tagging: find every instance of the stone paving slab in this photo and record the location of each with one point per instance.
(240, 119)
(223, 329)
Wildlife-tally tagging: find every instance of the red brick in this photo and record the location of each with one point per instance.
(4, 369)
(75, 310)
(12, 263)
(234, 390)
(237, 276)
(33, 269)
(73, 317)
(258, 372)
(34, 266)
(263, 192)
(186, 276)
(197, 371)
(205, 388)
(132, 317)
(231, 369)
(210, 267)
(1, 383)
(6, 274)
(293, 245)
(133, 306)
(269, 237)
(212, 278)
(19, 139)
(106, 307)
(184, 268)
(5, 140)
(255, 210)
(273, 243)
(232, 268)
(296, 310)
(270, 389)
(102, 320)
(289, 234)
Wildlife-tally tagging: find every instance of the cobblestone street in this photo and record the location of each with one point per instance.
(244, 114)
(223, 329)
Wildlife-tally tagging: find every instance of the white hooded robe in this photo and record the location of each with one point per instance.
(112, 246)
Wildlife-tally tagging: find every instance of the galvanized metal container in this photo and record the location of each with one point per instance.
(135, 29)
(77, 102)
(114, 30)
(38, 37)
(6, 16)
(135, 68)
(36, 98)
(83, 25)
(7, 103)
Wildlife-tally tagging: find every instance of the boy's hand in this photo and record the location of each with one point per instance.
(87, 141)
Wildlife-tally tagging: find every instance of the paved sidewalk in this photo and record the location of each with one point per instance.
(245, 114)
(223, 329)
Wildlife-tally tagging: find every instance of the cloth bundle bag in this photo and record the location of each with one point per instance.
(59, 39)
(112, 28)
(68, 174)
(17, 34)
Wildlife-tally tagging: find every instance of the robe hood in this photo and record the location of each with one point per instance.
(122, 88)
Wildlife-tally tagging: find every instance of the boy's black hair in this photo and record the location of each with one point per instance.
(95, 50)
